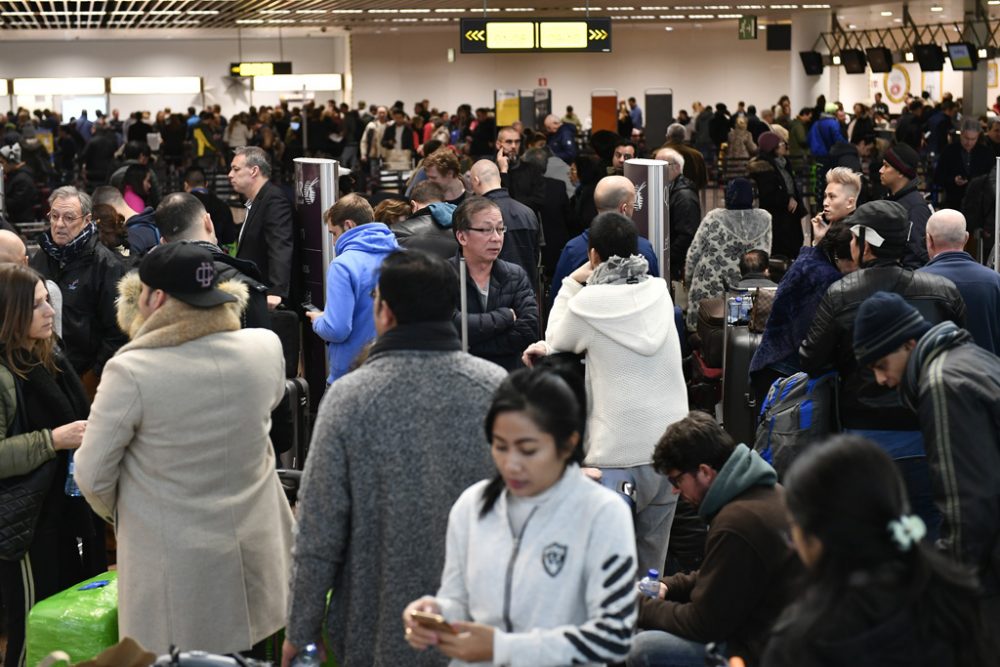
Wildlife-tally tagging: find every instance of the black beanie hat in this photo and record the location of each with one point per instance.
(903, 159)
(890, 223)
(884, 322)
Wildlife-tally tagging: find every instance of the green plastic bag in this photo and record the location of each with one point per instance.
(81, 620)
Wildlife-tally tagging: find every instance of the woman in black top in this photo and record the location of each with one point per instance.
(43, 408)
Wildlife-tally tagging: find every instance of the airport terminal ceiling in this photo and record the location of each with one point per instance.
(34, 19)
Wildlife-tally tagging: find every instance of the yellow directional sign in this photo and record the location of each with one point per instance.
(526, 35)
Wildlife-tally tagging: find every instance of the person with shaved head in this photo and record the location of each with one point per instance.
(613, 194)
(522, 239)
(979, 286)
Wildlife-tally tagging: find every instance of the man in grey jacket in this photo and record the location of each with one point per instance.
(396, 442)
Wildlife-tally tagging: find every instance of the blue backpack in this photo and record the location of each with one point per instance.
(798, 411)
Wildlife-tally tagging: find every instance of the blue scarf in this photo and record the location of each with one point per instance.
(67, 253)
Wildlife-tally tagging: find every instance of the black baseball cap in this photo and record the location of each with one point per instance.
(185, 272)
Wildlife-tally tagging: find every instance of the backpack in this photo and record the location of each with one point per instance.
(798, 411)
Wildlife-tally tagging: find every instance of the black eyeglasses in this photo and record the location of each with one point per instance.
(675, 481)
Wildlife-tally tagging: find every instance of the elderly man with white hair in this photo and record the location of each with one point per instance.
(979, 286)
(685, 210)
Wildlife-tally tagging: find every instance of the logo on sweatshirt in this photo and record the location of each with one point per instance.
(553, 558)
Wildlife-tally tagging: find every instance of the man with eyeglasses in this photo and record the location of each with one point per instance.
(87, 273)
(502, 310)
(521, 241)
(749, 570)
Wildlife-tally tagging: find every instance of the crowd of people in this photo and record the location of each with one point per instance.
(498, 505)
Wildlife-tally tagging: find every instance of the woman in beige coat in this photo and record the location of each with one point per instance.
(178, 459)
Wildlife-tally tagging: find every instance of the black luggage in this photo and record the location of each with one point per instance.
(711, 323)
(290, 429)
(739, 406)
(285, 323)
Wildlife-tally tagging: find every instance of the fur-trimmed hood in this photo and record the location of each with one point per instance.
(176, 322)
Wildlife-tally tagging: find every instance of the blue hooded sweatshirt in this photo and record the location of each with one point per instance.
(347, 324)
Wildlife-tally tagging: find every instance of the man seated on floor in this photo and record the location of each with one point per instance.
(749, 568)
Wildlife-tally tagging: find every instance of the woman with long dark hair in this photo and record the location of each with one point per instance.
(540, 561)
(136, 186)
(43, 408)
(877, 593)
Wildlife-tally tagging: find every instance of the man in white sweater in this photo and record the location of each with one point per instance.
(623, 318)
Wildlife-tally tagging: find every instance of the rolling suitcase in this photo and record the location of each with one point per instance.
(290, 430)
(739, 405)
(81, 620)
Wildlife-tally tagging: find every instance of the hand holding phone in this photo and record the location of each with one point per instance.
(434, 622)
(310, 308)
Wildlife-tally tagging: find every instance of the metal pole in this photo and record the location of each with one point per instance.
(996, 222)
(463, 295)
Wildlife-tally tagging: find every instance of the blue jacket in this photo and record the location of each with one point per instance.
(563, 143)
(824, 134)
(347, 323)
(143, 234)
(980, 288)
(574, 254)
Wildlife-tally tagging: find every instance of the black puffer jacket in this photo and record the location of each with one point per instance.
(685, 216)
(496, 333)
(89, 284)
(829, 345)
(256, 314)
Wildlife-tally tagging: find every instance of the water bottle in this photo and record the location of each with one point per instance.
(307, 657)
(650, 584)
(71, 488)
(732, 310)
(745, 310)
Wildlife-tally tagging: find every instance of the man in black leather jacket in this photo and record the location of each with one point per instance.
(880, 230)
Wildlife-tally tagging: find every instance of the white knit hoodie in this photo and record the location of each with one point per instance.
(635, 383)
(562, 591)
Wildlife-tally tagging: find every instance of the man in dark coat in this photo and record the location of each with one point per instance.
(899, 175)
(226, 231)
(962, 161)
(685, 210)
(952, 385)
(502, 309)
(429, 228)
(87, 273)
(266, 235)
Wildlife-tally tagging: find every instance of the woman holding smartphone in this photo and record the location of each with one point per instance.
(540, 561)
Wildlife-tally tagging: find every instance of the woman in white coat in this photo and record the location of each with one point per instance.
(540, 560)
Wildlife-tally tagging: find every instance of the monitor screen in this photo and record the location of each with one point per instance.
(853, 60)
(930, 57)
(812, 61)
(779, 37)
(879, 59)
(962, 56)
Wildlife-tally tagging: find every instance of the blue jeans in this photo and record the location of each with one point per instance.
(656, 648)
(907, 451)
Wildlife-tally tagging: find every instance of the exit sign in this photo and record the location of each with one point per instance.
(748, 27)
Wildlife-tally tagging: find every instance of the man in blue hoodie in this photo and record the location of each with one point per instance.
(346, 323)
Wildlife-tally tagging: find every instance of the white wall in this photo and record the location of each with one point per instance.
(171, 57)
(710, 65)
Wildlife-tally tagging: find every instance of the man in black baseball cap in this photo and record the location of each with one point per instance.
(865, 407)
(183, 271)
(899, 175)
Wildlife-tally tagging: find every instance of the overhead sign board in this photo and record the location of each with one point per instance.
(532, 36)
(260, 68)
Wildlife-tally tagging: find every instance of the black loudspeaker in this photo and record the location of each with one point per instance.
(853, 60)
(779, 37)
(930, 57)
(879, 59)
(812, 61)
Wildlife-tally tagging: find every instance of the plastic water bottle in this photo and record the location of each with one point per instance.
(71, 488)
(650, 584)
(733, 309)
(745, 309)
(307, 657)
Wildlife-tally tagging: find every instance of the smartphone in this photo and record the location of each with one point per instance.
(433, 622)
(310, 308)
